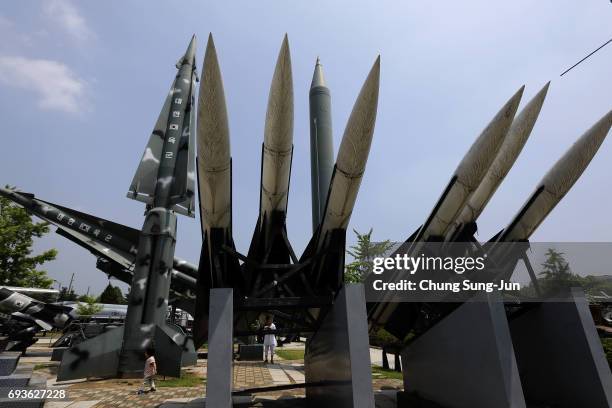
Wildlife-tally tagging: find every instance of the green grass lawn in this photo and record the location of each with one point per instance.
(44, 365)
(379, 372)
(186, 380)
(290, 354)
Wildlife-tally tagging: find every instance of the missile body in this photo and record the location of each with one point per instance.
(321, 143)
(346, 179)
(508, 153)
(352, 155)
(165, 175)
(105, 239)
(470, 172)
(278, 138)
(46, 316)
(557, 182)
(214, 159)
(268, 244)
(466, 179)
(170, 151)
(214, 164)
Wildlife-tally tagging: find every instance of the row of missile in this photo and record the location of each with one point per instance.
(480, 173)
(214, 164)
(117, 244)
(472, 185)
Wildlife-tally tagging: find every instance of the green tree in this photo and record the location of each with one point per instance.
(556, 274)
(17, 232)
(112, 295)
(88, 306)
(363, 253)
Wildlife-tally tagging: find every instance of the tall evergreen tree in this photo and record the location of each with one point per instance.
(112, 295)
(363, 253)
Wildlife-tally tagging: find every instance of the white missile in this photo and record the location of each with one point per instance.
(470, 172)
(214, 160)
(352, 155)
(464, 182)
(557, 182)
(278, 138)
(508, 153)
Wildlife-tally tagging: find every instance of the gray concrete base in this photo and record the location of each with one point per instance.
(99, 356)
(560, 357)
(220, 348)
(250, 352)
(58, 353)
(8, 362)
(173, 350)
(466, 360)
(338, 355)
(96, 357)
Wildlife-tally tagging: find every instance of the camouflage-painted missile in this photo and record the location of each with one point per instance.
(165, 175)
(46, 316)
(470, 172)
(321, 144)
(278, 138)
(165, 181)
(352, 155)
(168, 189)
(508, 153)
(557, 182)
(103, 238)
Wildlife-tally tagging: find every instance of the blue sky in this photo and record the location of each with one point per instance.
(82, 83)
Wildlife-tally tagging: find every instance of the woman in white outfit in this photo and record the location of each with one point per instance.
(269, 340)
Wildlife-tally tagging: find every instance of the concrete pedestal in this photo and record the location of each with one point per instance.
(560, 358)
(466, 360)
(337, 359)
(220, 349)
(250, 352)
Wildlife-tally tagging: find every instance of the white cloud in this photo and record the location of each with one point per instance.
(56, 85)
(67, 16)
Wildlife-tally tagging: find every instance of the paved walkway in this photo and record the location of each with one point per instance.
(247, 375)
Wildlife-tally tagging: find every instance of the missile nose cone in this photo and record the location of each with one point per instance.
(353, 155)
(508, 153)
(482, 153)
(557, 182)
(317, 77)
(278, 133)
(566, 171)
(189, 57)
(212, 126)
(214, 160)
(357, 138)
